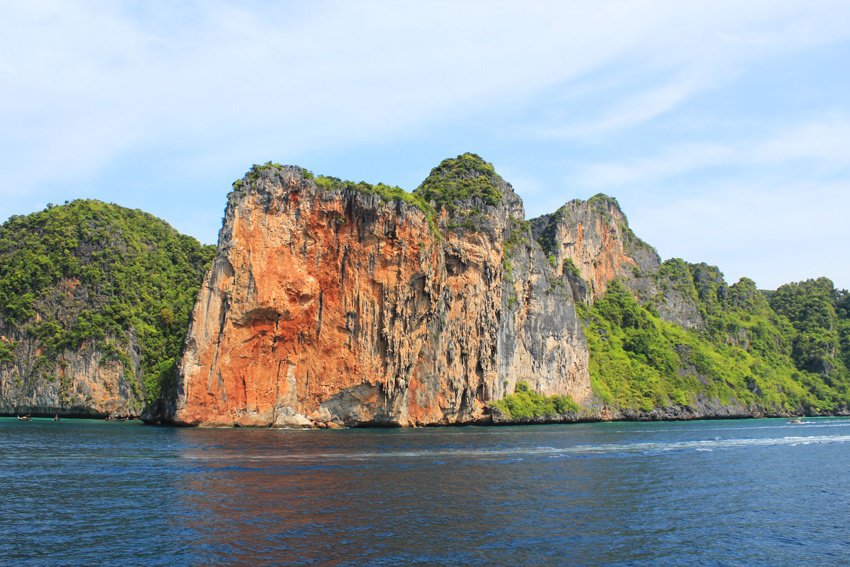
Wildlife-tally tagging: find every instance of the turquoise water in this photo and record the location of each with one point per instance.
(713, 492)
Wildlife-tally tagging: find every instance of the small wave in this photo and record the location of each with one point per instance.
(745, 425)
(644, 448)
(843, 423)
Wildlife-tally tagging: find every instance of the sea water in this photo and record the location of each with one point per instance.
(708, 492)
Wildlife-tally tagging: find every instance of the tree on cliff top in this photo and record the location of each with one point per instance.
(459, 179)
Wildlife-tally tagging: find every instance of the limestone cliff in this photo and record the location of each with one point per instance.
(592, 240)
(589, 244)
(337, 303)
(80, 382)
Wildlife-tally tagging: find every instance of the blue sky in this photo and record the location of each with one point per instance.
(723, 128)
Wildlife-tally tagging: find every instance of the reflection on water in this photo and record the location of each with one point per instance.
(736, 492)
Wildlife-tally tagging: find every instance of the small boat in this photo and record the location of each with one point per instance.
(795, 421)
(57, 418)
(24, 417)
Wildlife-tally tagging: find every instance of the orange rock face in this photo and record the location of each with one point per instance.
(333, 306)
(594, 236)
(589, 244)
(600, 261)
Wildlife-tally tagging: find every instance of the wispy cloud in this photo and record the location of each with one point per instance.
(85, 81)
(824, 143)
(631, 110)
(691, 49)
(773, 230)
(676, 161)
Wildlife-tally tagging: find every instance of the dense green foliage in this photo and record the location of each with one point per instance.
(7, 351)
(387, 193)
(95, 275)
(524, 404)
(640, 362)
(676, 274)
(463, 178)
(747, 355)
(818, 312)
(842, 309)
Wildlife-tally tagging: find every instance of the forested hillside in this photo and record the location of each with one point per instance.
(673, 340)
(94, 306)
(749, 358)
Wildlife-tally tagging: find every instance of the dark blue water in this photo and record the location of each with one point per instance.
(719, 492)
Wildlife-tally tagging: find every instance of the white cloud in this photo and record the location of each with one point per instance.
(825, 143)
(676, 161)
(773, 232)
(692, 48)
(633, 110)
(82, 82)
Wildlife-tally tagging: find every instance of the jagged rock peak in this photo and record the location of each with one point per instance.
(276, 178)
(592, 240)
(455, 181)
(604, 206)
(269, 171)
(292, 176)
(603, 202)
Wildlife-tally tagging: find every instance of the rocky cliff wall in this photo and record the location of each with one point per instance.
(83, 382)
(589, 244)
(334, 303)
(592, 240)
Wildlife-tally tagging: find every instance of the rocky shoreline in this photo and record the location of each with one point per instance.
(669, 415)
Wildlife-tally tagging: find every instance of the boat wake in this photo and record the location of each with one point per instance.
(642, 448)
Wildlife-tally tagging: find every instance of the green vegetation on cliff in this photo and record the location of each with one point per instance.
(97, 278)
(92, 275)
(819, 314)
(745, 357)
(459, 179)
(456, 180)
(387, 193)
(525, 404)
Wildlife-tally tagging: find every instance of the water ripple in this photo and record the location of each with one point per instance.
(722, 492)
